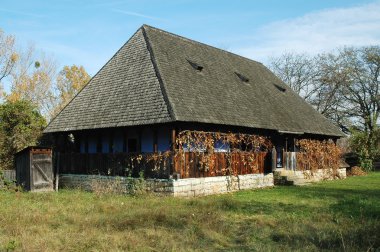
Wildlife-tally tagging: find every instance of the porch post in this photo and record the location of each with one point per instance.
(172, 149)
(155, 140)
(274, 158)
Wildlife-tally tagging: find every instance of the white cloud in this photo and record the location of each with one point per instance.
(317, 32)
(29, 14)
(135, 14)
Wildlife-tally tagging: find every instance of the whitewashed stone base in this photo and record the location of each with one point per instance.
(305, 177)
(179, 188)
(221, 184)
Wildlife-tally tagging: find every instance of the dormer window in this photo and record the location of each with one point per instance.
(282, 89)
(195, 65)
(242, 77)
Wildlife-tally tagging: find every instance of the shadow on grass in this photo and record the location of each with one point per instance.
(349, 202)
(362, 238)
(341, 215)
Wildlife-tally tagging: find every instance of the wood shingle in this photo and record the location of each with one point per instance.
(152, 79)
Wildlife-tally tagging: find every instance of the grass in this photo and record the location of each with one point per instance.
(334, 215)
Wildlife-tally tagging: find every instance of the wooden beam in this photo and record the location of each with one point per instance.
(110, 142)
(125, 140)
(155, 140)
(274, 159)
(86, 144)
(172, 149)
(139, 136)
(173, 139)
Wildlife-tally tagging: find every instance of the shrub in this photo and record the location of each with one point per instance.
(356, 171)
(365, 145)
(8, 185)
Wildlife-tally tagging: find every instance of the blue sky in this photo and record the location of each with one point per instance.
(88, 33)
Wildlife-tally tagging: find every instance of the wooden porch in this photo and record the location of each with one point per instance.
(164, 165)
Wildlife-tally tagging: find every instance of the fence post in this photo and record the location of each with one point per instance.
(274, 158)
(57, 171)
(172, 166)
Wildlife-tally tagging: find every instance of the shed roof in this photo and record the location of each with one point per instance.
(159, 77)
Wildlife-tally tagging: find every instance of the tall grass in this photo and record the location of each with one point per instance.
(335, 215)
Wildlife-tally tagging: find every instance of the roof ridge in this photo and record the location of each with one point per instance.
(198, 42)
(158, 74)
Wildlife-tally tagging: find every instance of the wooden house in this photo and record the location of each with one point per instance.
(159, 84)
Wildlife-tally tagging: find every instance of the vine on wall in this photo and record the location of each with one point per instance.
(199, 141)
(237, 148)
(315, 155)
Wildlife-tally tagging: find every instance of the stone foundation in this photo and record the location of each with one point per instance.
(289, 177)
(179, 188)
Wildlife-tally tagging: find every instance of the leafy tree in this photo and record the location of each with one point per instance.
(69, 82)
(36, 92)
(33, 79)
(21, 125)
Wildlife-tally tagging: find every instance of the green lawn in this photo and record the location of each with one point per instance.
(334, 215)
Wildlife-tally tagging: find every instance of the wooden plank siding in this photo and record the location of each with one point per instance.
(301, 161)
(187, 164)
(112, 164)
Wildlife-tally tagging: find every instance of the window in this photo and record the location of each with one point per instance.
(105, 143)
(221, 146)
(82, 147)
(163, 139)
(118, 142)
(194, 147)
(242, 77)
(99, 144)
(195, 65)
(282, 89)
(92, 144)
(132, 145)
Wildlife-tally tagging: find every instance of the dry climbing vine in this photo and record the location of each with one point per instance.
(239, 150)
(202, 145)
(315, 155)
(200, 141)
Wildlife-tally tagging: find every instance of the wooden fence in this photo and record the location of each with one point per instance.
(304, 161)
(9, 174)
(111, 164)
(187, 164)
(193, 165)
(290, 161)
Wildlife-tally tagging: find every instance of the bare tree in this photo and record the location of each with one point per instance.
(298, 71)
(8, 55)
(357, 73)
(32, 79)
(306, 75)
(343, 85)
(327, 98)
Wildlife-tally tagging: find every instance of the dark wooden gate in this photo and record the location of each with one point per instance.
(34, 169)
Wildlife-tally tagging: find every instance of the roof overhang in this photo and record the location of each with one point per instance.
(291, 132)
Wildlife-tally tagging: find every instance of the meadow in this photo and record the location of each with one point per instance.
(342, 215)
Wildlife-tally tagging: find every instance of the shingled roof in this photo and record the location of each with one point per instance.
(159, 77)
